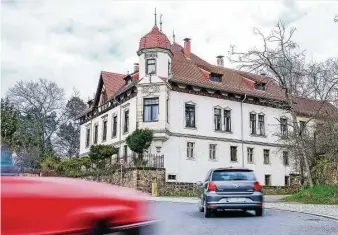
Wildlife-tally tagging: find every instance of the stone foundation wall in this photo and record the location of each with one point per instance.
(179, 189)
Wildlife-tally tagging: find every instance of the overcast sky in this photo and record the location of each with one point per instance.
(71, 41)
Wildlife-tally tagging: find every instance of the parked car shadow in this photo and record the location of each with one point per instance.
(233, 214)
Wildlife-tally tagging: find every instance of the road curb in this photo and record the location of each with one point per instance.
(267, 206)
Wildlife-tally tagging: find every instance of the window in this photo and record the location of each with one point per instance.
(125, 152)
(250, 152)
(253, 123)
(96, 127)
(150, 66)
(87, 137)
(169, 69)
(212, 151)
(114, 132)
(285, 158)
(266, 153)
(301, 127)
(104, 130)
(230, 175)
(126, 121)
(233, 153)
(215, 77)
(261, 124)
(284, 127)
(287, 180)
(217, 119)
(167, 111)
(260, 86)
(150, 110)
(267, 179)
(227, 120)
(190, 150)
(190, 115)
(171, 177)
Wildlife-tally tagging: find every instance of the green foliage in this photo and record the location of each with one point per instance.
(140, 140)
(50, 163)
(100, 153)
(319, 194)
(9, 122)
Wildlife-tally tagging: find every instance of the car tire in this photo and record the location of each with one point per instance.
(200, 207)
(207, 212)
(259, 212)
(100, 227)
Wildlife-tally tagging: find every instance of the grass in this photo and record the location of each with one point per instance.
(319, 194)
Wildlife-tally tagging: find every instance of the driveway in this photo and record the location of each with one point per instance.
(184, 219)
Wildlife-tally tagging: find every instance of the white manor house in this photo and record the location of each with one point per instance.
(203, 115)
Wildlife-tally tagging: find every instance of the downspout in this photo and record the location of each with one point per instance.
(242, 138)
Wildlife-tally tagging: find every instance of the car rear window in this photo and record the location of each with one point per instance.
(233, 175)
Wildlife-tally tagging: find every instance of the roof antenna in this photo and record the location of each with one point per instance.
(161, 22)
(155, 17)
(173, 36)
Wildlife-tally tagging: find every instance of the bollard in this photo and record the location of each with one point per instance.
(154, 191)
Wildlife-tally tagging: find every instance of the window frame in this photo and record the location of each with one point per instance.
(88, 135)
(267, 176)
(114, 126)
(231, 153)
(151, 109)
(283, 126)
(190, 150)
(286, 159)
(253, 123)
(225, 118)
(96, 133)
(126, 122)
(217, 119)
(248, 155)
(185, 115)
(148, 64)
(261, 123)
(104, 129)
(215, 75)
(212, 152)
(268, 155)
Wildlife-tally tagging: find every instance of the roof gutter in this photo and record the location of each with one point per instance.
(242, 136)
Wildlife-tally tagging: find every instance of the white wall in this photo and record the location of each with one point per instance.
(187, 170)
(131, 105)
(161, 63)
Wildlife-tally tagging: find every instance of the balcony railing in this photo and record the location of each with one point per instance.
(147, 160)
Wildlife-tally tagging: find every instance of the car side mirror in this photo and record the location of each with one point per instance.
(199, 183)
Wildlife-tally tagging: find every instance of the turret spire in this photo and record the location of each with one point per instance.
(161, 22)
(155, 17)
(173, 36)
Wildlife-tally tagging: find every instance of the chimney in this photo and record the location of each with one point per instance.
(187, 47)
(136, 67)
(220, 61)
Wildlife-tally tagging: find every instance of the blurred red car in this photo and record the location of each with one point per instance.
(47, 205)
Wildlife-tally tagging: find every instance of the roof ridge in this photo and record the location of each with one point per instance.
(102, 71)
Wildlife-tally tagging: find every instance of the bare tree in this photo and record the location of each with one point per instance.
(44, 103)
(283, 61)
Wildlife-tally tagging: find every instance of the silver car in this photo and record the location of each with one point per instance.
(230, 188)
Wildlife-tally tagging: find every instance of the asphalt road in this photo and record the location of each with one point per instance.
(184, 219)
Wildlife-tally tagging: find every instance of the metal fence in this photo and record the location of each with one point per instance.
(147, 160)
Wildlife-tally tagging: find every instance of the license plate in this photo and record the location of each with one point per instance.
(232, 200)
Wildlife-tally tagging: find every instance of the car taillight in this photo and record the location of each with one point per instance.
(257, 187)
(212, 187)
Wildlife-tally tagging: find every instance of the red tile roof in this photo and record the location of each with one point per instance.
(155, 38)
(310, 107)
(112, 82)
(195, 71)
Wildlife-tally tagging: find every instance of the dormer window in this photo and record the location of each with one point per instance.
(128, 80)
(260, 86)
(150, 66)
(215, 77)
(169, 69)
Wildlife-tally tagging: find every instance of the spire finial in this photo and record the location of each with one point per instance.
(155, 17)
(173, 36)
(161, 22)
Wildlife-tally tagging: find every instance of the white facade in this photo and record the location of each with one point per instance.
(172, 137)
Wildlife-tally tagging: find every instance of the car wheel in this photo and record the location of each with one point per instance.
(207, 212)
(259, 212)
(100, 227)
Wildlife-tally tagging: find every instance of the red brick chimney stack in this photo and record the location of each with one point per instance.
(187, 47)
